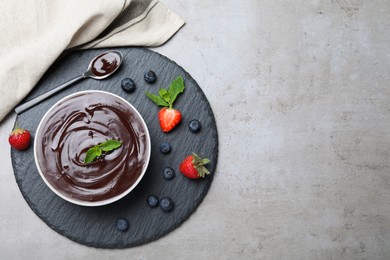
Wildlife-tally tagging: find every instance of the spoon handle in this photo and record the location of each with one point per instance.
(23, 107)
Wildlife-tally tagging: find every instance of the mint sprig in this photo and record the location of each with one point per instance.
(101, 149)
(166, 97)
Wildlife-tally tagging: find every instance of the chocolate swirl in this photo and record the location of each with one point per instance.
(105, 63)
(76, 124)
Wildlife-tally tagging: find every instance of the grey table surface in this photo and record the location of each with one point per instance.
(300, 92)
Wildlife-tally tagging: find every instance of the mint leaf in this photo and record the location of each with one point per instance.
(98, 149)
(164, 94)
(167, 97)
(176, 87)
(92, 153)
(110, 145)
(156, 99)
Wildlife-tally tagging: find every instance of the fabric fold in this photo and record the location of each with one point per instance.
(35, 33)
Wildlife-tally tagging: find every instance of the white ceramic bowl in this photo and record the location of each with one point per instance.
(76, 123)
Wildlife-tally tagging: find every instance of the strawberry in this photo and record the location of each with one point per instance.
(193, 166)
(168, 117)
(19, 139)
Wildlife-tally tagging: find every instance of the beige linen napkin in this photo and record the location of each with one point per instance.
(33, 34)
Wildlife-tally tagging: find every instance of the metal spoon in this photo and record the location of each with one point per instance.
(100, 67)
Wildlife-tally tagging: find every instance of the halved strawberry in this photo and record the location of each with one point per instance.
(19, 138)
(168, 118)
(193, 166)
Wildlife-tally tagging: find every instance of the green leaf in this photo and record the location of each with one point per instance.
(97, 150)
(156, 99)
(110, 145)
(164, 94)
(92, 153)
(176, 87)
(167, 97)
(204, 161)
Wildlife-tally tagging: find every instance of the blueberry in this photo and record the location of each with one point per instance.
(194, 126)
(152, 201)
(150, 76)
(166, 204)
(168, 173)
(165, 148)
(122, 224)
(128, 85)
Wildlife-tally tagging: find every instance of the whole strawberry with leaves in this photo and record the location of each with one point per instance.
(193, 166)
(168, 116)
(19, 138)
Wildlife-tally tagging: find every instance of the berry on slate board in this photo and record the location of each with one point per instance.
(166, 204)
(165, 148)
(122, 224)
(168, 173)
(128, 85)
(168, 117)
(19, 138)
(194, 126)
(193, 166)
(152, 201)
(150, 76)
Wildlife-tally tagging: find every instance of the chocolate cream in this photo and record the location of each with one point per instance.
(105, 63)
(77, 124)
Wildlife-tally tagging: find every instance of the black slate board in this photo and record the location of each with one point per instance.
(96, 226)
